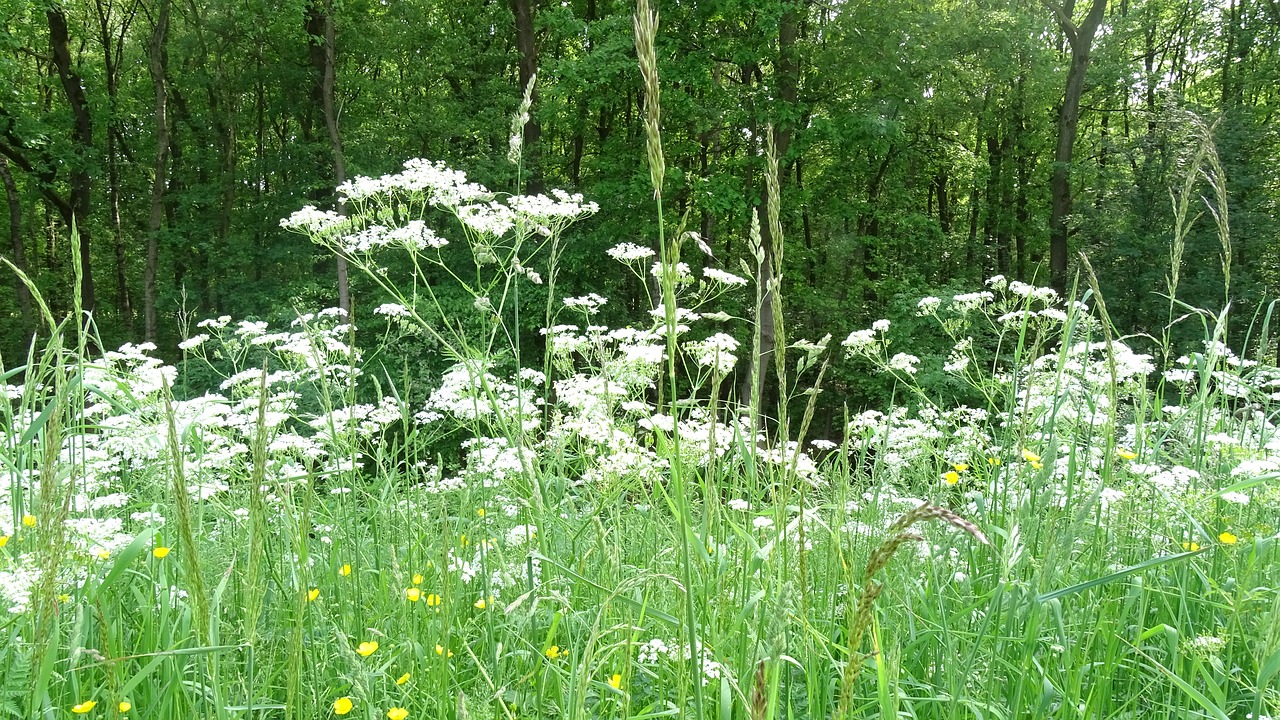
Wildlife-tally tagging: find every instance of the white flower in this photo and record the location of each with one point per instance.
(392, 310)
(194, 342)
(722, 277)
(904, 362)
(1236, 497)
(880, 326)
(739, 504)
(629, 252)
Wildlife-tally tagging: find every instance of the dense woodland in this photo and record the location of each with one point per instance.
(924, 145)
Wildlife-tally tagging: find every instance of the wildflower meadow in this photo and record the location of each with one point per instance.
(289, 521)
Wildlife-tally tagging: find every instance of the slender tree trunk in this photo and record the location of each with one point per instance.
(112, 49)
(82, 134)
(527, 46)
(1080, 43)
(158, 57)
(788, 81)
(335, 142)
(16, 244)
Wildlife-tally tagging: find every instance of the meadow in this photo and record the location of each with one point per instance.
(601, 525)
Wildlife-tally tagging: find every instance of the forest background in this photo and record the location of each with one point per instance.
(924, 146)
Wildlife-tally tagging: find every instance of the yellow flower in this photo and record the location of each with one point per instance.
(434, 600)
(402, 679)
(480, 512)
(125, 706)
(441, 651)
(1037, 464)
(615, 682)
(104, 554)
(312, 594)
(1030, 456)
(85, 706)
(366, 648)
(951, 477)
(483, 603)
(1227, 538)
(30, 521)
(994, 461)
(961, 467)
(342, 706)
(345, 570)
(554, 652)
(1126, 454)
(463, 540)
(64, 598)
(1192, 546)
(397, 713)
(417, 579)
(413, 594)
(161, 552)
(4, 540)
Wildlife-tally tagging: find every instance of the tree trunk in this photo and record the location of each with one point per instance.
(528, 48)
(82, 134)
(158, 57)
(1080, 42)
(15, 240)
(335, 142)
(112, 51)
(788, 80)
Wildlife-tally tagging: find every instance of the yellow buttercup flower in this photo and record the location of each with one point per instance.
(402, 679)
(554, 652)
(1030, 456)
(961, 467)
(951, 477)
(30, 521)
(342, 706)
(397, 713)
(366, 649)
(417, 579)
(104, 554)
(1192, 546)
(312, 594)
(615, 682)
(441, 651)
(463, 540)
(83, 707)
(4, 540)
(1126, 454)
(160, 552)
(434, 600)
(483, 603)
(480, 512)
(125, 706)
(994, 461)
(1227, 538)
(345, 570)
(413, 594)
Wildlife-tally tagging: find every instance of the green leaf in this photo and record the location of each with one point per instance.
(1119, 574)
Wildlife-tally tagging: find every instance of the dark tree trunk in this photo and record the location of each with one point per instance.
(82, 134)
(1080, 43)
(527, 46)
(788, 80)
(16, 244)
(335, 142)
(158, 58)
